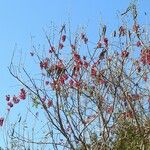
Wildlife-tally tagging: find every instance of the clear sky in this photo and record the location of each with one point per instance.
(19, 19)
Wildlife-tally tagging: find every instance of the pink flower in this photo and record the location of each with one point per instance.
(101, 81)
(106, 42)
(109, 59)
(71, 82)
(122, 31)
(85, 87)
(1, 121)
(63, 38)
(15, 99)
(10, 104)
(145, 78)
(61, 80)
(124, 54)
(99, 44)
(93, 72)
(78, 84)
(65, 76)
(79, 63)
(44, 64)
(43, 99)
(7, 97)
(61, 46)
(22, 94)
(109, 110)
(60, 65)
(145, 56)
(138, 44)
(135, 28)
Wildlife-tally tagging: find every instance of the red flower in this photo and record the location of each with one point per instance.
(65, 76)
(44, 64)
(80, 63)
(62, 80)
(76, 69)
(76, 57)
(49, 103)
(53, 84)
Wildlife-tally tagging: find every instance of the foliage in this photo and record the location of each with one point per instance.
(130, 136)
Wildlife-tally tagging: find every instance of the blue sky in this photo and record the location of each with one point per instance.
(21, 19)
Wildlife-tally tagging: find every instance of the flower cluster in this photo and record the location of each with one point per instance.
(145, 56)
(15, 99)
